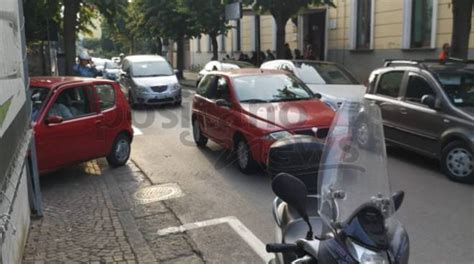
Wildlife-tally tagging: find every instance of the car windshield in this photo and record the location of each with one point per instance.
(459, 86)
(354, 165)
(323, 73)
(38, 97)
(112, 65)
(151, 69)
(270, 88)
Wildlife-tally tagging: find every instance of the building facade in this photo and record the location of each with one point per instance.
(355, 32)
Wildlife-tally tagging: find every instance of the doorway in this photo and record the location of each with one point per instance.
(314, 33)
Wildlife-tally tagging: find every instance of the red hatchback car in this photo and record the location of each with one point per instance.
(78, 119)
(249, 109)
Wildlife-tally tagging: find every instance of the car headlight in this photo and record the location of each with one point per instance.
(142, 89)
(366, 256)
(175, 87)
(277, 135)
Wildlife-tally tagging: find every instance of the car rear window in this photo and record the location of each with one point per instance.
(106, 94)
(459, 86)
(38, 98)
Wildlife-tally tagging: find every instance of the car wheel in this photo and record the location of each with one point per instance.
(120, 152)
(199, 138)
(245, 160)
(131, 101)
(457, 162)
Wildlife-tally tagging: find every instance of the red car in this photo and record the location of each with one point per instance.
(247, 110)
(79, 119)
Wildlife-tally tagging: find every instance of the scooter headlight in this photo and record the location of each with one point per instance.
(366, 256)
(142, 89)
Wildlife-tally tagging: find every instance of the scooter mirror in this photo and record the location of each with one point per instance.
(398, 199)
(291, 190)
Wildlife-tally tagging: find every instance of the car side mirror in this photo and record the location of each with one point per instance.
(398, 199)
(223, 103)
(429, 100)
(54, 120)
(317, 95)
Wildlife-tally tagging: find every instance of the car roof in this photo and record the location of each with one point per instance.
(248, 72)
(142, 58)
(52, 82)
(430, 65)
(301, 61)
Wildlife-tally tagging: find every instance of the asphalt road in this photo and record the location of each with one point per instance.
(438, 213)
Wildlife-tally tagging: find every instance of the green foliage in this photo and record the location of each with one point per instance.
(38, 15)
(285, 9)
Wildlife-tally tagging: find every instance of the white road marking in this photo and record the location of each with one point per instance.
(256, 244)
(136, 131)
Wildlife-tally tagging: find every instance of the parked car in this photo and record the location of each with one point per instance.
(150, 80)
(332, 81)
(78, 119)
(111, 70)
(247, 110)
(224, 65)
(429, 108)
(99, 64)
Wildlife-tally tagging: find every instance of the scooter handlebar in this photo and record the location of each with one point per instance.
(281, 248)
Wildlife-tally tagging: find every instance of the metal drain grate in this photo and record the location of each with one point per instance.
(156, 193)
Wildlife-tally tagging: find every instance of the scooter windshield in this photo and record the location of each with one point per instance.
(354, 165)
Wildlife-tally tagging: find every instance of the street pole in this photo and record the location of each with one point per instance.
(257, 38)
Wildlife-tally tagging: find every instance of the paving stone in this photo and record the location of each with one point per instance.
(193, 259)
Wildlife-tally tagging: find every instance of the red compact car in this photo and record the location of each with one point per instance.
(79, 119)
(249, 109)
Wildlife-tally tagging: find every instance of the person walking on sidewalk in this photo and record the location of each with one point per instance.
(444, 54)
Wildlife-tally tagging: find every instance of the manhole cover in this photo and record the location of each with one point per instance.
(156, 193)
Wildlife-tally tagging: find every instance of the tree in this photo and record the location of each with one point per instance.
(172, 19)
(282, 11)
(78, 14)
(462, 14)
(211, 20)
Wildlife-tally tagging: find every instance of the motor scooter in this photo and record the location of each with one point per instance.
(334, 203)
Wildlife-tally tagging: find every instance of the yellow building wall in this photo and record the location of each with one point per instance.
(388, 24)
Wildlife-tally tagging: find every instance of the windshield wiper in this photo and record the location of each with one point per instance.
(254, 101)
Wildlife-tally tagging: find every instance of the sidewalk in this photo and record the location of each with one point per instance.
(190, 79)
(94, 214)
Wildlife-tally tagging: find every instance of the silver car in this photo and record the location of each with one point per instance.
(334, 83)
(149, 80)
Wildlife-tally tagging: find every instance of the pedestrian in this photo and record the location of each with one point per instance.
(298, 55)
(262, 57)
(444, 54)
(270, 55)
(253, 59)
(288, 55)
(242, 57)
(309, 54)
(121, 56)
(85, 67)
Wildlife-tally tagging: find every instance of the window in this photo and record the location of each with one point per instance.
(420, 18)
(364, 21)
(71, 103)
(362, 24)
(417, 88)
(323, 73)
(222, 91)
(151, 69)
(207, 86)
(106, 95)
(389, 83)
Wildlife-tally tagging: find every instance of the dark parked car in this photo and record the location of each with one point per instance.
(429, 108)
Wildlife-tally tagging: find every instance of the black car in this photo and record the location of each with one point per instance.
(428, 107)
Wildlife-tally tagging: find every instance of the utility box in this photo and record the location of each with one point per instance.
(15, 134)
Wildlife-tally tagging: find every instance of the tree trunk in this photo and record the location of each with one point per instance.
(180, 56)
(280, 37)
(159, 46)
(462, 12)
(215, 46)
(71, 8)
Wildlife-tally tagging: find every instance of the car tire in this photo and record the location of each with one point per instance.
(120, 152)
(245, 160)
(131, 101)
(457, 162)
(199, 138)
